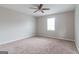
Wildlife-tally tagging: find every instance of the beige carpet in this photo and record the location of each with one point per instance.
(39, 45)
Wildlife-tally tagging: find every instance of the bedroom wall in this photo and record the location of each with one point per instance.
(15, 25)
(77, 26)
(64, 26)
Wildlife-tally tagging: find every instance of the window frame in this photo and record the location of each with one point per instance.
(53, 29)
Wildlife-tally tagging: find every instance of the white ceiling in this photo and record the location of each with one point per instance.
(54, 8)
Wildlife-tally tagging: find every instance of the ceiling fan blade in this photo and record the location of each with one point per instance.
(41, 5)
(32, 8)
(42, 11)
(45, 9)
(35, 11)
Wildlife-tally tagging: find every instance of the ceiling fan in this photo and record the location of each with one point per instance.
(39, 8)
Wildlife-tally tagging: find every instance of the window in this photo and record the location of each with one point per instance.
(51, 24)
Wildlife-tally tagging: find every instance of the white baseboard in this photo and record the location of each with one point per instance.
(31, 35)
(43, 35)
(28, 36)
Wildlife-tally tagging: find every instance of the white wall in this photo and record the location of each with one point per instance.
(77, 26)
(64, 26)
(15, 25)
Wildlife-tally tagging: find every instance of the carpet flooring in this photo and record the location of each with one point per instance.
(39, 45)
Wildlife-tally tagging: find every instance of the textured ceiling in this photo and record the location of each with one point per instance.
(54, 8)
